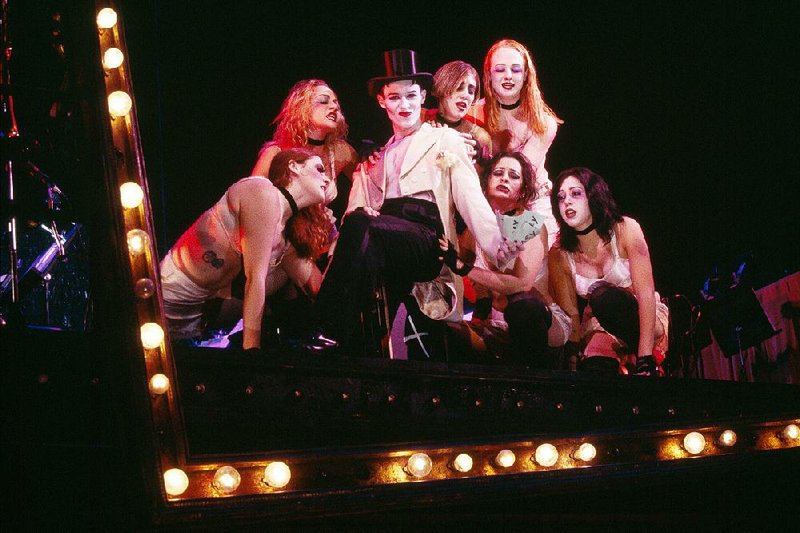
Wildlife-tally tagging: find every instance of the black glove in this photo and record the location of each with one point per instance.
(646, 366)
(450, 258)
(483, 307)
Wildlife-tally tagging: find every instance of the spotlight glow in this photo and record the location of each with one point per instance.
(419, 465)
(175, 481)
(462, 463)
(106, 18)
(546, 454)
(152, 335)
(790, 432)
(505, 458)
(112, 58)
(277, 474)
(131, 195)
(586, 452)
(727, 438)
(159, 384)
(694, 442)
(137, 241)
(227, 479)
(119, 103)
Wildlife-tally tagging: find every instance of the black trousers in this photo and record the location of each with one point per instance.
(397, 248)
(618, 312)
(528, 319)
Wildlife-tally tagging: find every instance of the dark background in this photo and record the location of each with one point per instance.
(689, 112)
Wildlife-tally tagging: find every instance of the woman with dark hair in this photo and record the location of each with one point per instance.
(514, 305)
(250, 228)
(602, 258)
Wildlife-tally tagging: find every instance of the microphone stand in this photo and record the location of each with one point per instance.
(9, 135)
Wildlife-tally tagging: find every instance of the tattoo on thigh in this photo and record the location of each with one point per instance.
(211, 258)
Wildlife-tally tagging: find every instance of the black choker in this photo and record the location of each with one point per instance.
(443, 120)
(286, 194)
(585, 231)
(315, 142)
(509, 107)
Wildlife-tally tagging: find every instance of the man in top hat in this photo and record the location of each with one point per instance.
(399, 206)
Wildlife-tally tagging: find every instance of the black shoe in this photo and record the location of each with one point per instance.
(646, 366)
(319, 343)
(598, 364)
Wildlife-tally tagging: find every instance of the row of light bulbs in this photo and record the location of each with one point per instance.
(132, 197)
(226, 479)
(277, 474)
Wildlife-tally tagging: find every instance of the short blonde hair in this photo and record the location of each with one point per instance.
(449, 76)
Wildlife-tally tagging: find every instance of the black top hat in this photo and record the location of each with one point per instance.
(400, 65)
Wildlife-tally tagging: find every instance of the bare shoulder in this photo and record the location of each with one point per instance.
(476, 112)
(556, 256)
(627, 228)
(550, 127)
(630, 237)
(345, 149)
(252, 190)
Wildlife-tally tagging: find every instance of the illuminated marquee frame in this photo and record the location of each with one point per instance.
(280, 481)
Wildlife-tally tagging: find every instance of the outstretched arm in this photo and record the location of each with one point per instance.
(632, 241)
(260, 226)
(265, 156)
(562, 286)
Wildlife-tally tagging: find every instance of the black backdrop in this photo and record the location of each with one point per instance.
(689, 112)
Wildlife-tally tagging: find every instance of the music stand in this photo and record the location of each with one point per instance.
(738, 321)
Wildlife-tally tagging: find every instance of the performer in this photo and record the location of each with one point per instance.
(514, 305)
(311, 118)
(602, 256)
(245, 229)
(516, 116)
(456, 87)
(399, 205)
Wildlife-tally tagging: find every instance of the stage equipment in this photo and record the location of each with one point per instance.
(734, 314)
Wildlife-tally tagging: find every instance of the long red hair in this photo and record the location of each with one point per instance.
(532, 105)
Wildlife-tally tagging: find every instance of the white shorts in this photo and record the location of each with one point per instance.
(183, 300)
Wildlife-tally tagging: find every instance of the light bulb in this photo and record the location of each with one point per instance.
(505, 458)
(419, 465)
(152, 335)
(546, 454)
(112, 58)
(106, 18)
(462, 462)
(277, 474)
(727, 438)
(144, 288)
(790, 432)
(119, 103)
(227, 479)
(175, 481)
(137, 241)
(159, 384)
(694, 442)
(586, 452)
(131, 195)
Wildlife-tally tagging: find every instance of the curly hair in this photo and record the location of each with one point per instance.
(602, 205)
(449, 76)
(533, 108)
(310, 229)
(294, 119)
(527, 192)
